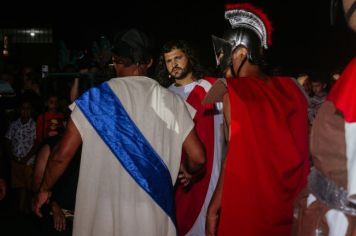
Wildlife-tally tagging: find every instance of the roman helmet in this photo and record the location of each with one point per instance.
(250, 28)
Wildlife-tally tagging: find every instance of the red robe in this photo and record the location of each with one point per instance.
(343, 94)
(189, 203)
(267, 161)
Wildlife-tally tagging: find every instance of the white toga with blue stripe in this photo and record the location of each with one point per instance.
(109, 202)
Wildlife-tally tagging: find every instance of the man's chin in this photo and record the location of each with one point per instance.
(177, 78)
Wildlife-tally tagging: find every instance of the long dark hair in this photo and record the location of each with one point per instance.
(162, 74)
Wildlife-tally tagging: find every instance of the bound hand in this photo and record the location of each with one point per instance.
(184, 177)
(41, 198)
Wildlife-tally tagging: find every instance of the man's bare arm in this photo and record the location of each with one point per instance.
(40, 167)
(212, 216)
(61, 156)
(195, 153)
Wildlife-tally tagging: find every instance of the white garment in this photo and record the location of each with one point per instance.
(184, 91)
(350, 138)
(109, 202)
(337, 223)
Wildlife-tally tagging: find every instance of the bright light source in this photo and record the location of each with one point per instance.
(32, 34)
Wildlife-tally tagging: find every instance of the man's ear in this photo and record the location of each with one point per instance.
(142, 68)
(239, 53)
(243, 53)
(150, 63)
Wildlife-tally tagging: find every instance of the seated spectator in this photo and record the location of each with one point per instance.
(319, 95)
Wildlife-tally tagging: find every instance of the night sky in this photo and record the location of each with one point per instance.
(303, 39)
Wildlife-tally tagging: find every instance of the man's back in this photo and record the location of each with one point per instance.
(267, 158)
(120, 190)
(132, 132)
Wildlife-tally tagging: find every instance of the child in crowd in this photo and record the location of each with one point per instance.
(20, 137)
(50, 123)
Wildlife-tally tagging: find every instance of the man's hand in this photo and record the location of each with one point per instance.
(184, 177)
(2, 189)
(41, 198)
(196, 159)
(59, 220)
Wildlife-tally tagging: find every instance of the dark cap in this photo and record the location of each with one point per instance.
(134, 45)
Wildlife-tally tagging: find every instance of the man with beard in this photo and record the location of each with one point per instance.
(328, 206)
(179, 68)
(260, 177)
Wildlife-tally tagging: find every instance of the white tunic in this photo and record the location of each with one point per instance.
(109, 201)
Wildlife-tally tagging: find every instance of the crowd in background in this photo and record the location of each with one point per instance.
(34, 116)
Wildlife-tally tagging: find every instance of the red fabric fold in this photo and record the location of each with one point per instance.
(189, 204)
(343, 94)
(267, 161)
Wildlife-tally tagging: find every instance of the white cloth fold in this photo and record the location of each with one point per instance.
(337, 223)
(350, 135)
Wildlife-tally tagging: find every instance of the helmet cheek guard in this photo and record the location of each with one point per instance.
(223, 50)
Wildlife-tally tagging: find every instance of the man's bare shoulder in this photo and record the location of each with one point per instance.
(216, 92)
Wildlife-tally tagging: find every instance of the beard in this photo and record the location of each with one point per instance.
(180, 73)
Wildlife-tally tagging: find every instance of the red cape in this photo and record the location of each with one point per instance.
(267, 161)
(343, 94)
(189, 204)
